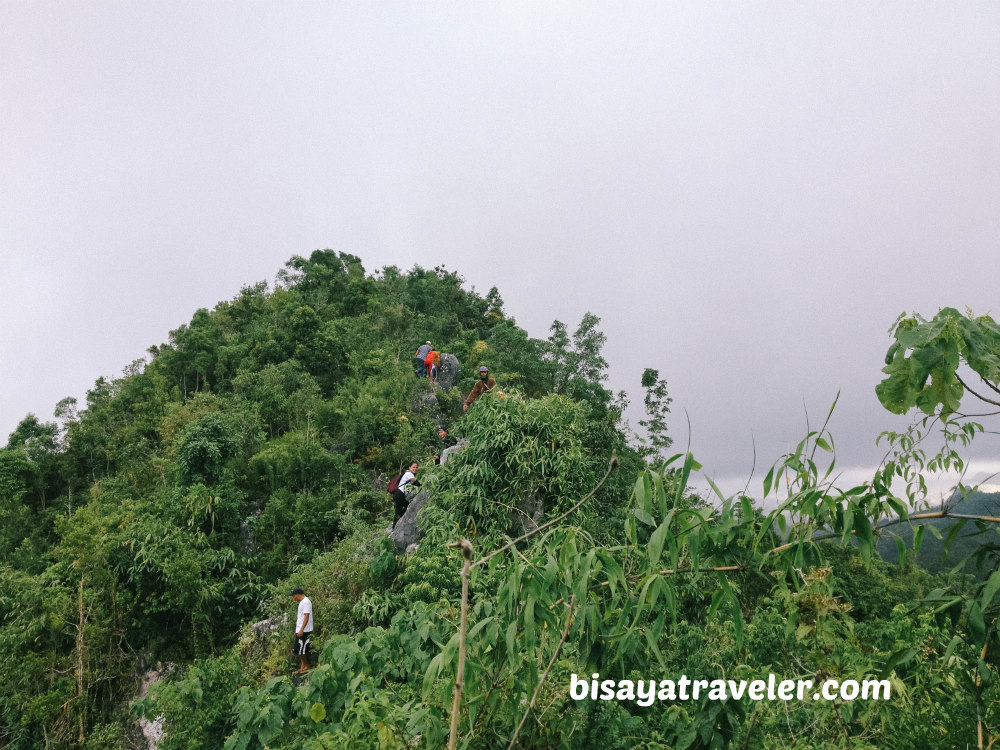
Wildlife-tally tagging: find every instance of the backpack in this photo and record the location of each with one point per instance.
(394, 483)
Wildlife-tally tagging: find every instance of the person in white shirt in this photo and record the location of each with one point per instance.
(408, 479)
(303, 629)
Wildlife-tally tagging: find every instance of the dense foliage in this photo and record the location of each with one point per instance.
(154, 525)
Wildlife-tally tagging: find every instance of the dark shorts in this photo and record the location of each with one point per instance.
(302, 645)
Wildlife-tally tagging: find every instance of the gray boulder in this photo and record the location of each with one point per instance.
(448, 371)
(149, 732)
(425, 400)
(406, 531)
(264, 628)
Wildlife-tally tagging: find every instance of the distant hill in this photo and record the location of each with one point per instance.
(985, 502)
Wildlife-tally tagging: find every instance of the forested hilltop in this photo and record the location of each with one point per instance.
(160, 527)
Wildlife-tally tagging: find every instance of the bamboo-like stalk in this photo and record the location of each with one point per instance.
(980, 724)
(723, 569)
(80, 645)
(545, 674)
(466, 546)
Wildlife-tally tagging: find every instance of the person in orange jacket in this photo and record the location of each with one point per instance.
(431, 363)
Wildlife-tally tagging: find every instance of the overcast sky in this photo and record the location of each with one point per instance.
(747, 194)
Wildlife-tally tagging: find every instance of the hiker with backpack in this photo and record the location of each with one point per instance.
(419, 357)
(485, 383)
(397, 488)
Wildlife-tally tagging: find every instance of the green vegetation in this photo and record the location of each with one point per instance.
(250, 455)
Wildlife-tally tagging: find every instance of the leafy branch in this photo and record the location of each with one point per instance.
(467, 551)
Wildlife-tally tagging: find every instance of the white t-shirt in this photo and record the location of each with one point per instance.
(404, 480)
(305, 608)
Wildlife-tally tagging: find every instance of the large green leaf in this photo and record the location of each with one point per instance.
(897, 659)
(990, 590)
(656, 540)
(898, 392)
(318, 712)
(977, 625)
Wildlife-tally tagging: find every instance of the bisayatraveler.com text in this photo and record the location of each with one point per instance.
(647, 692)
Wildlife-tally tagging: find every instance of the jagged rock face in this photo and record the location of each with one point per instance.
(247, 541)
(264, 628)
(448, 371)
(449, 452)
(425, 400)
(406, 531)
(151, 732)
(406, 534)
(529, 512)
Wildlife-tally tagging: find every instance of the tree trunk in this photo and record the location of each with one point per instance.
(80, 646)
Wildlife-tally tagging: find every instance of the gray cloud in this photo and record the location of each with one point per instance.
(747, 195)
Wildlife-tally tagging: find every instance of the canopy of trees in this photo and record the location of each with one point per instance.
(158, 521)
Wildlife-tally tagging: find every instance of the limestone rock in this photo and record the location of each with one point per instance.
(406, 531)
(527, 515)
(452, 450)
(424, 399)
(448, 371)
(150, 732)
(247, 540)
(264, 628)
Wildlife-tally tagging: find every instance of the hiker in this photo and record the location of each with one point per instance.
(406, 479)
(420, 356)
(303, 629)
(431, 362)
(485, 383)
(447, 441)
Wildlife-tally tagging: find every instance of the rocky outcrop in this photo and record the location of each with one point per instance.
(264, 628)
(524, 519)
(424, 400)
(150, 732)
(406, 531)
(406, 534)
(248, 543)
(451, 451)
(448, 371)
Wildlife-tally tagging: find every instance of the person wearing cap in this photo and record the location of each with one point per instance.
(303, 629)
(446, 440)
(418, 358)
(485, 383)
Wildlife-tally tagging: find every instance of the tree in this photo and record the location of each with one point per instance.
(329, 280)
(577, 366)
(924, 370)
(657, 403)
